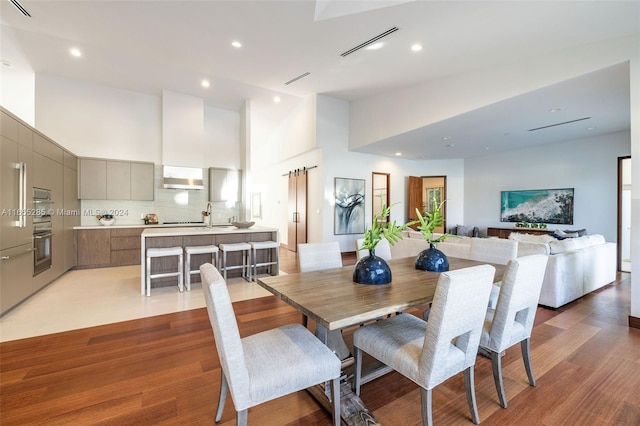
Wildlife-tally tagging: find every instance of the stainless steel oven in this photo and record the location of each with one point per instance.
(42, 205)
(42, 235)
(41, 247)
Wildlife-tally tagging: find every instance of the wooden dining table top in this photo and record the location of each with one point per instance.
(332, 299)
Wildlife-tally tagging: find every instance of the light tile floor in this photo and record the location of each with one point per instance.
(90, 297)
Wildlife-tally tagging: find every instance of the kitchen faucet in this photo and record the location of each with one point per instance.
(209, 218)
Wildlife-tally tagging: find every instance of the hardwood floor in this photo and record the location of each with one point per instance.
(165, 370)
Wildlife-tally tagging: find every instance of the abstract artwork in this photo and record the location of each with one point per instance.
(538, 206)
(349, 206)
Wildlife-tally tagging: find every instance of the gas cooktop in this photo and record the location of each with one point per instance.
(183, 222)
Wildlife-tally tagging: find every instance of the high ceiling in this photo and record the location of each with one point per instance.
(148, 46)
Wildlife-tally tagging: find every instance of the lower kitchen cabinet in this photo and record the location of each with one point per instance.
(16, 276)
(94, 247)
(99, 248)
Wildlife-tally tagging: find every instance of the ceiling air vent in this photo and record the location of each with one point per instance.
(371, 41)
(20, 8)
(559, 124)
(298, 78)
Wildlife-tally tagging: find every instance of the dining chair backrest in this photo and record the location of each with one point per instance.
(226, 334)
(517, 303)
(493, 250)
(455, 323)
(317, 256)
(382, 250)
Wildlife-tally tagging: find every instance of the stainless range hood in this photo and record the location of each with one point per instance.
(175, 177)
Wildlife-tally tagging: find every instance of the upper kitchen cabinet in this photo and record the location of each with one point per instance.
(101, 179)
(92, 179)
(142, 181)
(225, 184)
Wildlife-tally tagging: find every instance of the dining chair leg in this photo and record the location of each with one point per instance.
(335, 399)
(525, 346)
(222, 398)
(357, 354)
(471, 394)
(496, 363)
(241, 418)
(425, 398)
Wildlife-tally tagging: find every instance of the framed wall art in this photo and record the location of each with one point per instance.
(349, 206)
(537, 206)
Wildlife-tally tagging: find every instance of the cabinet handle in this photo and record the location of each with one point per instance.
(22, 189)
(19, 254)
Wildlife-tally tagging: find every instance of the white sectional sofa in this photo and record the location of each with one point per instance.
(576, 266)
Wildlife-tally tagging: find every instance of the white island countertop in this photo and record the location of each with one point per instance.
(202, 230)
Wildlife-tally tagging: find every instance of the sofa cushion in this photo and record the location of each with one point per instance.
(561, 246)
(580, 232)
(465, 231)
(530, 238)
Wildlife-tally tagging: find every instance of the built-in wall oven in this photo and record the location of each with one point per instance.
(42, 231)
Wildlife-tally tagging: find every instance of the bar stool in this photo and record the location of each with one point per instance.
(189, 250)
(265, 245)
(245, 248)
(164, 252)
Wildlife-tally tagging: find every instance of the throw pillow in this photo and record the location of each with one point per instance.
(464, 231)
(580, 232)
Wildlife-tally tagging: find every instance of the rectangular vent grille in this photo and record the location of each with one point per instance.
(371, 41)
(559, 124)
(298, 78)
(20, 8)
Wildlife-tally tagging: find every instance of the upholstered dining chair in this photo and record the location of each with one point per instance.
(430, 352)
(316, 256)
(493, 250)
(512, 320)
(383, 249)
(266, 365)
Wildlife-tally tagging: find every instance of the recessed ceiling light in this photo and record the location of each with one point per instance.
(205, 83)
(450, 145)
(276, 99)
(446, 138)
(6, 63)
(486, 148)
(375, 46)
(398, 154)
(416, 47)
(591, 128)
(74, 51)
(555, 110)
(236, 44)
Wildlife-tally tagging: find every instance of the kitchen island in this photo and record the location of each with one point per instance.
(197, 236)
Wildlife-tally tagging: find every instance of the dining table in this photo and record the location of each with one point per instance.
(335, 302)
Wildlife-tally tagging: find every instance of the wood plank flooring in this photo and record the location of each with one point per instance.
(164, 370)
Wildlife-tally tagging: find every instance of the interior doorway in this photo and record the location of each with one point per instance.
(423, 193)
(624, 214)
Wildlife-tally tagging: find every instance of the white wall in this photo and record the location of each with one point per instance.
(17, 83)
(92, 120)
(589, 165)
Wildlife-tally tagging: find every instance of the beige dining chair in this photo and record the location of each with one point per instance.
(512, 320)
(316, 256)
(266, 365)
(383, 249)
(493, 250)
(430, 352)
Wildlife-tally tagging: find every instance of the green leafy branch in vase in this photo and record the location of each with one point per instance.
(430, 221)
(381, 228)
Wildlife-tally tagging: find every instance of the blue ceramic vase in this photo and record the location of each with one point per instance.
(372, 270)
(432, 260)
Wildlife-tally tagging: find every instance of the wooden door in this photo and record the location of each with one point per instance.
(414, 198)
(297, 210)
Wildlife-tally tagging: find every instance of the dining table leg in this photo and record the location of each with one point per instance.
(352, 410)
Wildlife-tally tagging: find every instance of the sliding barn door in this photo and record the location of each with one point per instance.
(297, 210)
